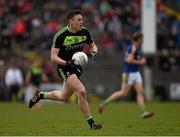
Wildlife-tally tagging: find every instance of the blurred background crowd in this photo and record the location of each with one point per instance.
(28, 26)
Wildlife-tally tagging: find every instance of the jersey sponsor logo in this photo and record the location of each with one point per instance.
(69, 40)
(76, 46)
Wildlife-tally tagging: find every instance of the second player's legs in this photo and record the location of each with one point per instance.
(120, 93)
(141, 100)
(116, 95)
(140, 93)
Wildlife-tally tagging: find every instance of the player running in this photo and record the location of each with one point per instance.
(131, 76)
(66, 42)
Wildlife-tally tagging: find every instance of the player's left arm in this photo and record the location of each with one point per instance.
(93, 50)
(131, 58)
(90, 42)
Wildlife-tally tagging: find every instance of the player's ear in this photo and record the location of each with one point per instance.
(70, 21)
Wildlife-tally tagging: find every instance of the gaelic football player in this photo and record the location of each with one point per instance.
(66, 42)
(131, 76)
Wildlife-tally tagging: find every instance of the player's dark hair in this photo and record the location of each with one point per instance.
(136, 36)
(72, 13)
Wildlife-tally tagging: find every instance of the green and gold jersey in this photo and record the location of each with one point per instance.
(69, 43)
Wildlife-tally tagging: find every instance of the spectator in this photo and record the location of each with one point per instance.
(13, 80)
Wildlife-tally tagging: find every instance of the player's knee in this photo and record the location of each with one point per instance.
(141, 92)
(65, 99)
(81, 92)
(140, 95)
(124, 94)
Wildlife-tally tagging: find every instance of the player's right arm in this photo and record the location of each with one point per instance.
(131, 58)
(55, 48)
(54, 57)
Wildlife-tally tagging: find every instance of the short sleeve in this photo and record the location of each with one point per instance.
(57, 41)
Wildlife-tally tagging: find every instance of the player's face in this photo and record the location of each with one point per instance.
(77, 22)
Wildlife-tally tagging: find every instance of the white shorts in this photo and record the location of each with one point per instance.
(131, 78)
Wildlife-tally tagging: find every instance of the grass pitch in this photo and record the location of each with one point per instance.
(65, 119)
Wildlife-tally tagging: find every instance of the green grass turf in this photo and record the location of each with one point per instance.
(66, 119)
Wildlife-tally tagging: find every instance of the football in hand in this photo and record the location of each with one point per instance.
(80, 58)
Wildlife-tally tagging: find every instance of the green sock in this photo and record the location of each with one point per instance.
(43, 95)
(142, 110)
(106, 101)
(90, 120)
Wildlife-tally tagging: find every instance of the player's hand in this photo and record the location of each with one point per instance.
(94, 55)
(70, 63)
(143, 61)
(77, 68)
